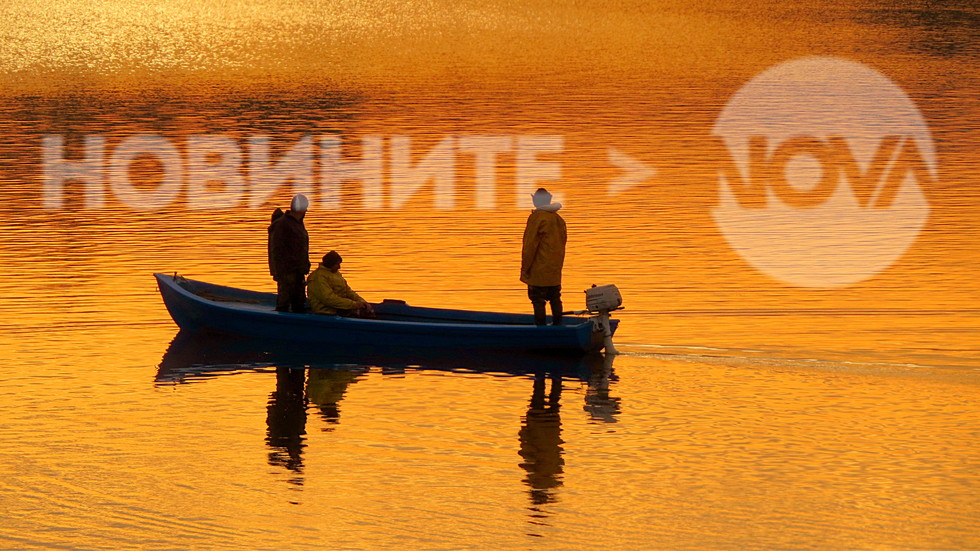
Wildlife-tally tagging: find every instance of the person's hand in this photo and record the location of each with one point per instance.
(365, 309)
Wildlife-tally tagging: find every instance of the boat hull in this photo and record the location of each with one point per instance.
(196, 306)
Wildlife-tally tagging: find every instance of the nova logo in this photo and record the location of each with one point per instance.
(823, 185)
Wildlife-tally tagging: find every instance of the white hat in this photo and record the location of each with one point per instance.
(541, 197)
(300, 203)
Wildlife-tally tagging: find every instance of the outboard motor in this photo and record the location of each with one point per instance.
(599, 301)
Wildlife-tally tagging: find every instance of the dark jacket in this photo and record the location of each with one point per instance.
(289, 246)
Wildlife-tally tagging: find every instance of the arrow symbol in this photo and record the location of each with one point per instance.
(634, 171)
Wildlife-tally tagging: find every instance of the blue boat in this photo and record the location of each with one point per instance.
(198, 306)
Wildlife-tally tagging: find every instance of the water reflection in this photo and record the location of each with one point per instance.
(324, 390)
(286, 420)
(540, 438)
(308, 381)
(192, 356)
(600, 405)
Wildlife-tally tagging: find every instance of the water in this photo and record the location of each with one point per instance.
(744, 413)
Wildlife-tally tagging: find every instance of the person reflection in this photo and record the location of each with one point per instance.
(325, 388)
(287, 422)
(598, 403)
(540, 437)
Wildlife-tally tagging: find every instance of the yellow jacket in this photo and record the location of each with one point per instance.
(544, 247)
(329, 291)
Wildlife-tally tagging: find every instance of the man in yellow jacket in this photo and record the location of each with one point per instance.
(543, 256)
(330, 294)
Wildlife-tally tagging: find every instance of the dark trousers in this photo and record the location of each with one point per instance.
(541, 295)
(292, 293)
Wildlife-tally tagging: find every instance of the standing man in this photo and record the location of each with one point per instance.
(543, 256)
(289, 255)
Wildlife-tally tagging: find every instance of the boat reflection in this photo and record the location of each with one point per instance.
(313, 381)
(200, 355)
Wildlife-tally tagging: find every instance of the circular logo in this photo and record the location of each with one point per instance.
(821, 187)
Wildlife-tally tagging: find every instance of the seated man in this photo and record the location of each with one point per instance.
(330, 294)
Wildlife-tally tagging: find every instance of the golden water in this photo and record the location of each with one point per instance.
(745, 412)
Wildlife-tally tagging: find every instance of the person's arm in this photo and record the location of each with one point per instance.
(304, 250)
(321, 288)
(352, 295)
(532, 238)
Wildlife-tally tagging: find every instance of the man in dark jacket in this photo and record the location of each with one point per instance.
(289, 255)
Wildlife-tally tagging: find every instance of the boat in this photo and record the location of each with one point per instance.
(200, 306)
